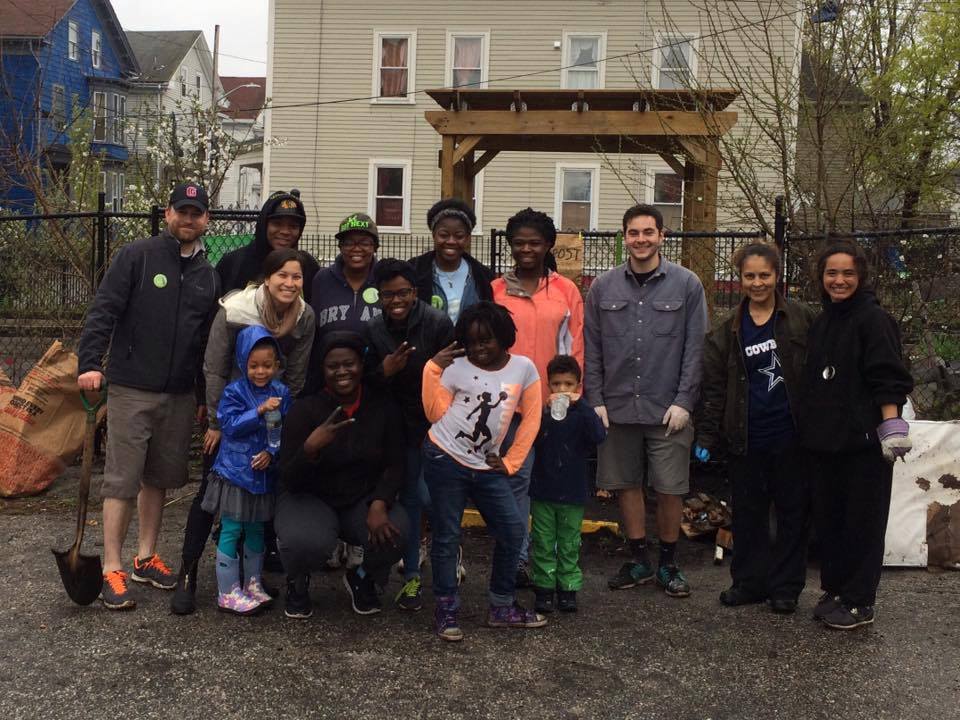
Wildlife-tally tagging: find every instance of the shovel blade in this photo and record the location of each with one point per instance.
(83, 578)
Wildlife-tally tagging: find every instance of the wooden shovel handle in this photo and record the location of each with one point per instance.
(86, 467)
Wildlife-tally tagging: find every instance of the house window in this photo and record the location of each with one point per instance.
(389, 194)
(95, 48)
(58, 109)
(673, 63)
(99, 116)
(666, 194)
(197, 83)
(582, 60)
(394, 67)
(576, 196)
(119, 117)
(73, 41)
(467, 59)
(183, 82)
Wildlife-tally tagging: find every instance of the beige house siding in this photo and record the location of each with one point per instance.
(323, 51)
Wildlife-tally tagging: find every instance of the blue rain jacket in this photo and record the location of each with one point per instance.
(244, 430)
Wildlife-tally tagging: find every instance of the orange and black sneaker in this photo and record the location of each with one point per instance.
(115, 594)
(154, 571)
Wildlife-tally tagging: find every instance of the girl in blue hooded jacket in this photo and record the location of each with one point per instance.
(243, 477)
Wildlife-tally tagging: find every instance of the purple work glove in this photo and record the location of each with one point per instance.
(894, 437)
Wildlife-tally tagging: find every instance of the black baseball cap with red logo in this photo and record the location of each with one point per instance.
(189, 194)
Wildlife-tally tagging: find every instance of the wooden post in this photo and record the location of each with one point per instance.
(446, 166)
(700, 215)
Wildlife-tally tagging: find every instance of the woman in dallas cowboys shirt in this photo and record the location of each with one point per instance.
(753, 362)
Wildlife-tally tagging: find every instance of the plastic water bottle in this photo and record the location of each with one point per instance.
(274, 425)
(558, 406)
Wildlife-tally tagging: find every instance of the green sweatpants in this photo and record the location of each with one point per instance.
(555, 543)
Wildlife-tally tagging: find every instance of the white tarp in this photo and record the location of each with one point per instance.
(930, 474)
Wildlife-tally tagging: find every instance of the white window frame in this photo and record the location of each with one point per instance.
(198, 81)
(183, 82)
(484, 36)
(653, 169)
(407, 165)
(601, 54)
(410, 98)
(478, 202)
(58, 122)
(73, 41)
(594, 169)
(96, 49)
(106, 132)
(663, 39)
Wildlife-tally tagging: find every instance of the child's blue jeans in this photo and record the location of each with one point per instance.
(450, 485)
(415, 499)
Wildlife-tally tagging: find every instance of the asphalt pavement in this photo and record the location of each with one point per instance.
(627, 654)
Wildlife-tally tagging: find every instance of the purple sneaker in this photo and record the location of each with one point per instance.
(514, 616)
(237, 602)
(445, 623)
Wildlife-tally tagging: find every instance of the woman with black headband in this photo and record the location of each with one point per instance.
(448, 278)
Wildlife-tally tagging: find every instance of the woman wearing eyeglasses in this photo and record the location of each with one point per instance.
(344, 296)
(400, 342)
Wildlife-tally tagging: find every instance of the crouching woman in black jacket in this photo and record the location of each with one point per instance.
(341, 467)
(855, 385)
(752, 367)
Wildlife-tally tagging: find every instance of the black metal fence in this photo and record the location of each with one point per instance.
(50, 266)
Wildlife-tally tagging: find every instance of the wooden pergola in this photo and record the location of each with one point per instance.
(680, 126)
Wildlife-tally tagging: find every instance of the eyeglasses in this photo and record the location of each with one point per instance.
(388, 295)
(365, 243)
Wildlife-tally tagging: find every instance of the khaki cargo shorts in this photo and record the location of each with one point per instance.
(148, 440)
(629, 449)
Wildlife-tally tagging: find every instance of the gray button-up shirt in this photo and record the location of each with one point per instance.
(643, 345)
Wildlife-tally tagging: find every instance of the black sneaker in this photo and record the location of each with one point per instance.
(848, 618)
(543, 600)
(630, 575)
(523, 577)
(738, 595)
(783, 606)
(825, 605)
(184, 594)
(567, 600)
(363, 593)
(298, 605)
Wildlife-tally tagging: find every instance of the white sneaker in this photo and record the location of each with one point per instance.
(352, 556)
(336, 559)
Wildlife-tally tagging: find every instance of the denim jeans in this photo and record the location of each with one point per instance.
(415, 499)
(450, 485)
(520, 484)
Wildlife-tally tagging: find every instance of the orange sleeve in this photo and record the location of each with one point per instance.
(435, 397)
(530, 409)
(576, 324)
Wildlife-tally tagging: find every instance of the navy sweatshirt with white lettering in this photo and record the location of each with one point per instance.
(336, 304)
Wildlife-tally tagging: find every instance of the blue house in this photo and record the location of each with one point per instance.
(60, 59)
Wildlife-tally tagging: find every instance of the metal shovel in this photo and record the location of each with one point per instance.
(82, 575)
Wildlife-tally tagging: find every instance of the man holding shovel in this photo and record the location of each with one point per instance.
(153, 310)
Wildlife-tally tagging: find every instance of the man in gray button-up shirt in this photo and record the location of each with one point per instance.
(645, 323)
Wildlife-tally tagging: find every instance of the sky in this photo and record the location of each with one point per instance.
(243, 27)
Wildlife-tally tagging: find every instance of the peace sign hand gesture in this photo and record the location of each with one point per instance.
(325, 433)
(446, 356)
(397, 360)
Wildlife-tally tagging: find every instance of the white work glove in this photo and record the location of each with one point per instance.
(601, 411)
(676, 419)
(895, 440)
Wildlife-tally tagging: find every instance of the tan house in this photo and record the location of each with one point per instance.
(347, 127)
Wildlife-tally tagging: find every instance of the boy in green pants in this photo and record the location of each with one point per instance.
(569, 431)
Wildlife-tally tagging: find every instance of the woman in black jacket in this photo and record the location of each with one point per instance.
(341, 467)
(855, 385)
(752, 365)
(448, 277)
